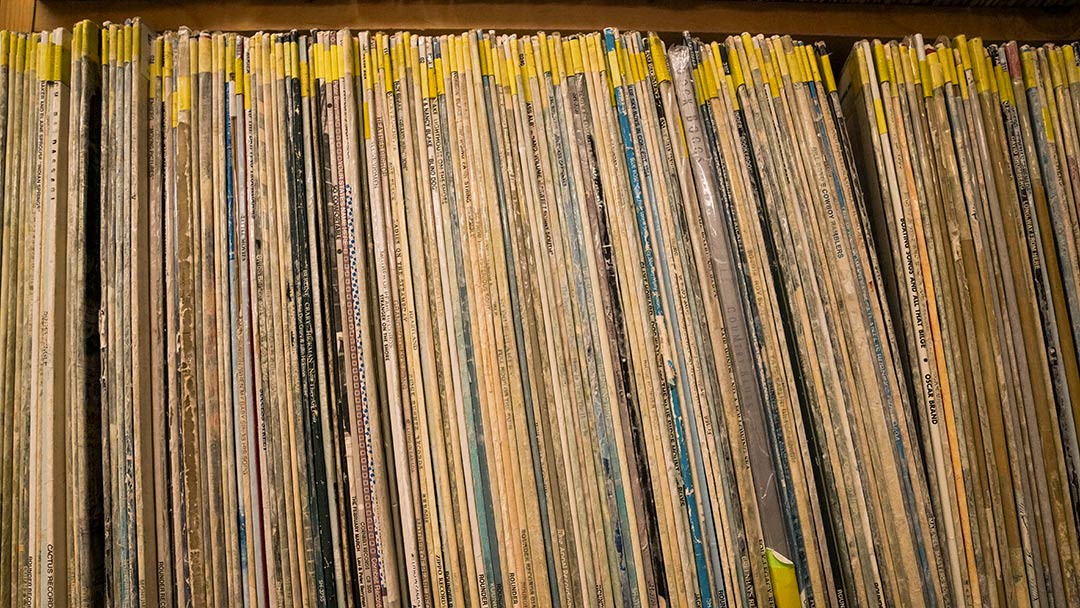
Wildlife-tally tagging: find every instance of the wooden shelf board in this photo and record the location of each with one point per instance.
(17, 15)
(832, 23)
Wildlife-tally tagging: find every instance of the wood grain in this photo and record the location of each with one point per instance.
(832, 23)
(17, 15)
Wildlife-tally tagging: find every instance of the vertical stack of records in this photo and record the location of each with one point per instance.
(85, 499)
(50, 479)
(969, 154)
(809, 350)
(124, 255)
(336, 318)
(488, 320)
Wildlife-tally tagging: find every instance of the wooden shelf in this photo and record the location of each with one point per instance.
(840, 23)
(17, 15)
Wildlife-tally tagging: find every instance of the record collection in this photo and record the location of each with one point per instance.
(973, 179)
(350, 318)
